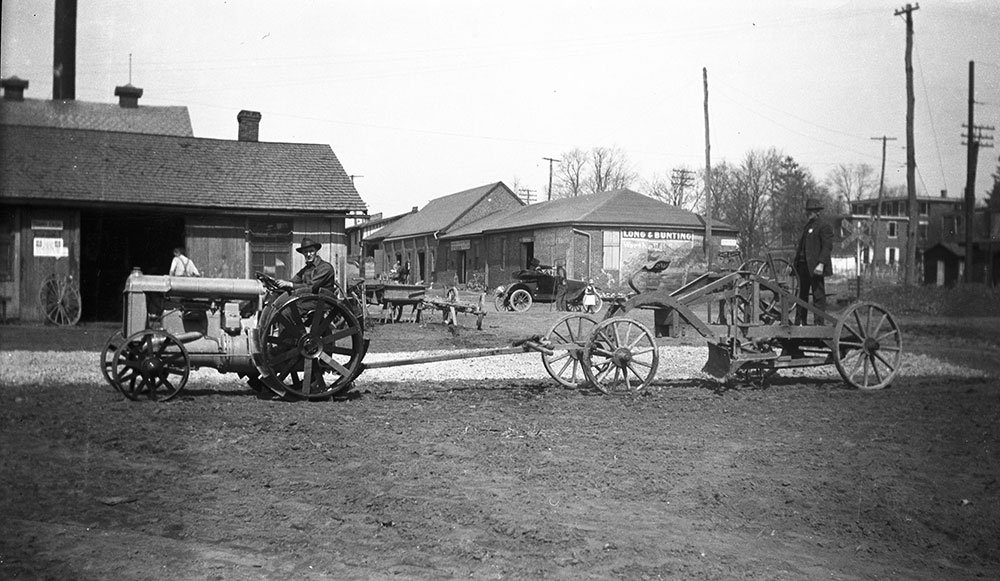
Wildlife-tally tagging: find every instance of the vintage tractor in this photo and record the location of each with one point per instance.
(298, 346)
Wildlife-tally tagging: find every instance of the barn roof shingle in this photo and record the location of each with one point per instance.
(83, 166)
(72, 114)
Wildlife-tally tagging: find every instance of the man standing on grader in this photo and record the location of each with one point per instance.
(812, 260)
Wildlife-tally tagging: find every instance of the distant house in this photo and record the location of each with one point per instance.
(985, 242)
(868, 230)
(417, 237)
(944, 264)
(606, 237)
(360, 255)
(94, 190)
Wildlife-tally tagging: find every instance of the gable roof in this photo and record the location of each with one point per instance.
(72, 114)
(614, 208)
(440, 213)
(73, 166)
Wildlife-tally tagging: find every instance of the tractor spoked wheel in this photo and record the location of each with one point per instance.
(108, 357)
(151, 364)
(312, 348)
(620, 357)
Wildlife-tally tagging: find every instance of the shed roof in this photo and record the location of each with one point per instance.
(73, 166)
(72, 114)
(623, 208)
(440, 213)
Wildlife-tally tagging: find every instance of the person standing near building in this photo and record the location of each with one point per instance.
(181, 265)
(812, 261)
(316, 275)
(560, 282)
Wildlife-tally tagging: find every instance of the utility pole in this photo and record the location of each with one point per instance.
(528, 198)
(680, 179)
(974, 139)
(551, 161)
(910, 265)
(878, 208)
(708, 179)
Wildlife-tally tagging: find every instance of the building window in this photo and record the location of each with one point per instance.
(922, 229)
(612, 250)
(925, 208)
(891, 255)
(893, 229)
(6, 255)
(270, 248)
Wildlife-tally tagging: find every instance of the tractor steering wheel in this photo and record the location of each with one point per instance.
(269, 282)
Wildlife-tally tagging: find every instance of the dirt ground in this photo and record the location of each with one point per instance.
(493, 474)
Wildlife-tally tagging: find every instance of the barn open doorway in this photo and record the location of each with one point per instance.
(112, 243)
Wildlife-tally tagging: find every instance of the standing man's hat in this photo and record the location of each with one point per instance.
(308, 243)
(813, 204)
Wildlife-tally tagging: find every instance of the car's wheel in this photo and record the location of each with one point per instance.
(520, 300)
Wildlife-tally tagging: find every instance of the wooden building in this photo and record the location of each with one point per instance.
(94, 203)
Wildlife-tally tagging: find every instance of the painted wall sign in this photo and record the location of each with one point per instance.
(461, 245)
(53, 247)
(46, 225)
(656, 235)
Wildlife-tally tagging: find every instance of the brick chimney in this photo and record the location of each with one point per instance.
(64, 51)
(249, 124)
(128, 96)
(13, 88)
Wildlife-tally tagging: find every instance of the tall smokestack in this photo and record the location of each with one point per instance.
(64, 53)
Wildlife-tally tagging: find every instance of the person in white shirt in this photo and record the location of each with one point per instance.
(182, 265)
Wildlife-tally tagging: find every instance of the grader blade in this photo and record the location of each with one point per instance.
(720, 364)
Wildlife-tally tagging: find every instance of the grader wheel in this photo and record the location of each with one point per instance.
(620, 357)
(150, 363)
(867, 346)
(311, 347)
(568, 337)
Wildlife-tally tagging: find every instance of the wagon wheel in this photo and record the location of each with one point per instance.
(500, 302)
(520, 300)
(312, 347)
(60, 300)
(867, 346)
(568, 337)
(152, 363)
(108, 357)
(620, 357)
(782, 273)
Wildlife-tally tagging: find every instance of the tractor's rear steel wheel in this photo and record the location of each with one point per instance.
(567, 338)
(312, 347)
(867, 346)
(620, 357)
(520, 300)
(151, 364)
(108, 357)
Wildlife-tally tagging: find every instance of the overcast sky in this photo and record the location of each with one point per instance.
(426, 98)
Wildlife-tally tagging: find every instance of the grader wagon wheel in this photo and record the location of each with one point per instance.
(520, 300)
(620, 357)
(568, 337)
(312, 347)
(60, 300)
(108, 358)
(782, 273)
(150, 363)
(867, 346)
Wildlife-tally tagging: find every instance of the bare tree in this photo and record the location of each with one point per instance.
(852, 182)
(687, 194)
(610, 170)
(570, 174)
(744, 198)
